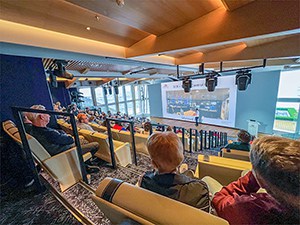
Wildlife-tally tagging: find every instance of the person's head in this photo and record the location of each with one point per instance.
(244, 136)
(82, 118)
(276, 166)
(57, 103)
(25, 118)
(166, 151)
(147, 126)
(92, 118)
(169, 128)
(39, 119)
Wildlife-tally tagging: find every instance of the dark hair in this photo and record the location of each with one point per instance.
(244, 136)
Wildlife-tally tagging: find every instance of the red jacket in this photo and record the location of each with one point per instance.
(239, 203)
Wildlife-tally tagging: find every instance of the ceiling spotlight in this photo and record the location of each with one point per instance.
(88, 28)
(105, 90)
(116, 90)
(187, 84)
(109, 90)
(97, 18)
(211, 81)
(243, 79)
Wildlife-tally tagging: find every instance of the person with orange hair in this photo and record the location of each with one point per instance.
(166, 152)
(83, 121)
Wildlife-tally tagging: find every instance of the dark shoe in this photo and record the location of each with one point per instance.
(92, 169)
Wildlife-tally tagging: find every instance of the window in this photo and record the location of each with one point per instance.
(137, 92)
(99, 96)
(122, 107)
(128, 92)
(87, 97)
(112, 108)
(121, 94)
(138, 107)
(111, 98)
(130, 108)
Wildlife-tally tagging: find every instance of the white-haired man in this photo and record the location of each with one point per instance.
(54, 141)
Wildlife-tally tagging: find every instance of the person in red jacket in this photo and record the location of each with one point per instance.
(276, 167)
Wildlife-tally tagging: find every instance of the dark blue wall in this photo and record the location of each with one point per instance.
(23, 83)
(61, 94)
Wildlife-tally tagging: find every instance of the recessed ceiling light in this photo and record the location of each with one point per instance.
(97, 18)
(88, 28)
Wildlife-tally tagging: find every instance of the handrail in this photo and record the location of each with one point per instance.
(20, 125)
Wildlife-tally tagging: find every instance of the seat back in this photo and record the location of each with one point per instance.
(98, 128)
(236, 154)
(63, 167)
(121, 149)
(120, 201)
(222, 169)
(11, 129)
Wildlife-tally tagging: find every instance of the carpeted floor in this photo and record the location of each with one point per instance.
(81, 199)
(22, 207)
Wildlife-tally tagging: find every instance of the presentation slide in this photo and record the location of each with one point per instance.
(216, 107)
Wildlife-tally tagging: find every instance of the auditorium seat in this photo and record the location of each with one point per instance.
(125, 136)
(63, 167)
(121, 201)
(121, 149)
(235, 154)
(222, 169)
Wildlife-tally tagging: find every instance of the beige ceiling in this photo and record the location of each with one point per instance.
(183, 31)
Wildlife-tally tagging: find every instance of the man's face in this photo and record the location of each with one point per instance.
(84, 119)
(45, 118)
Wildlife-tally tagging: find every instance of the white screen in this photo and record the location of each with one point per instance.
(216, 107)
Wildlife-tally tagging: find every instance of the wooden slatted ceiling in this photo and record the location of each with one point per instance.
(70, 19)
(93, 66)
(152, 16)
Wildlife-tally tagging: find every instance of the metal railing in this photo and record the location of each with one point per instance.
(17, 112)
(110, 139)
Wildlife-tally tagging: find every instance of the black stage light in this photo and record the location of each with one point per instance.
(116, 90)
(211, 81)
(61, 70)
(105, 90)
(243, 79)
(110, 90)
(187, 84)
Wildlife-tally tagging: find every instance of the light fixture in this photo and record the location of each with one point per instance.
(243, 79)
(187, 84)
(105, 90)
(110, 90)
(88, 28)
(97, 18)
(61, 70)
(211, 81)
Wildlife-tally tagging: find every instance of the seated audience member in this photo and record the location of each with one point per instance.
(276, 168)
(83, 121)
(54, 141)
(118, 126)
(166, 152)
(169, 128)
(147, 127)
(243, 142)
(26, 121)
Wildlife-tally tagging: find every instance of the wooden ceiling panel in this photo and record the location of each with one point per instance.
(155, 17)
(64, 17)
(231, 5)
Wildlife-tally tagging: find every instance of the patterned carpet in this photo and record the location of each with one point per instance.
(20, 207)
(81, 199)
